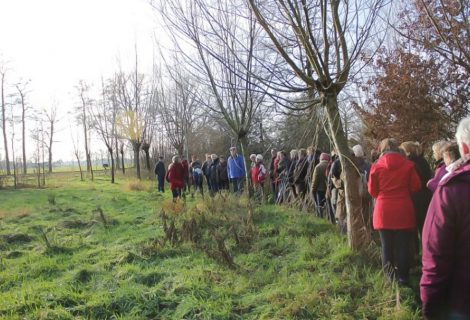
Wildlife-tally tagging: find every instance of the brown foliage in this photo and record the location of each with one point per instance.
(404, 103)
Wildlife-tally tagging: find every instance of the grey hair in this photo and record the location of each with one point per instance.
(175, 159)
(463, 133)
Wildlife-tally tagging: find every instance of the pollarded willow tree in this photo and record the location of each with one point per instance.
(177, 107)
(320, 42)
(222, 40)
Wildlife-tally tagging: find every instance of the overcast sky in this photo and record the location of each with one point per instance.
(55, 43)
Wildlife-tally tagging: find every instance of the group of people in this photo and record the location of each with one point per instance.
(216, 171)
(401, 198)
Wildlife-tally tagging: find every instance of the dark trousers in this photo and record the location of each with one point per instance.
(396, 253)
(224, 185)
(237, 184)
(273, 187)
(176, 193)
(320, 202)
(161, 183)
(209, 187)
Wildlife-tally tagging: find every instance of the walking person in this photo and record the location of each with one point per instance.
(236, 170)
(445, 279)
(175, 177)
(213, 174)
(223, 174)
(319, 183)
(392, 181)
(258, 176)
(196, 176)
(185, 165)
(160, 173)
(205, 170)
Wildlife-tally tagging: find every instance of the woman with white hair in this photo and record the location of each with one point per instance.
(258, 176)
(440, 168)
(446, 243)
(175, 177)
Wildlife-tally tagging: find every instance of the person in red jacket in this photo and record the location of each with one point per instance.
(445, 281)
(258, 176)
(185, 165)
(392, 180)
(175, 177)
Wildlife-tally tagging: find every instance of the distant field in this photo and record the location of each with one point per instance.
(92, 250)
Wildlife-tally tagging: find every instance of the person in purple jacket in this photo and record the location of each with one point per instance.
(445, 282)
(440, 166)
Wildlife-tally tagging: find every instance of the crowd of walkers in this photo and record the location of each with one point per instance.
(402, 199)
(217, 171)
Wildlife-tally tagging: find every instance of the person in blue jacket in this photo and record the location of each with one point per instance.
(236, 170)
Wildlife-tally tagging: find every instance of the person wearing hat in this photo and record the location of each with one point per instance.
(160, 174)
(258, 175)
(319, 183)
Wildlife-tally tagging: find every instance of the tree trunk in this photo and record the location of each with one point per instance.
(23, 129)
(358, 237)
(122, 160)
(51, 140)
(15, 178)
(4, 127)
(79, 166)
(243, 147)
(112, 165)
(91, 167)
(136, 148)
(117, 155)
(146, 148)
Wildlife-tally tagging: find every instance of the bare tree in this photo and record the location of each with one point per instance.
(38, 135)
(320, 40)
(77, 153)
(177, 106)
(225, 38)
(135, 101)
(104, 120)
(22, 92)
(50, 116)
(83, 111)
(3, 71)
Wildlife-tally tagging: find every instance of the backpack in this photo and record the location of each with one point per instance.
(363, 183)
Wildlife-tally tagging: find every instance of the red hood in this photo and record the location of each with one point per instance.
(391, 161)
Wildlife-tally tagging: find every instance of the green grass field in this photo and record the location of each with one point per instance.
(92, 250)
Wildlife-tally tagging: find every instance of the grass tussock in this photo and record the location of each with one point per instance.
(136, 185)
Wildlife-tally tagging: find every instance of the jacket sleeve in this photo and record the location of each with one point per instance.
(168, 173)
(315, 179)
(373, 183)
(438, 253)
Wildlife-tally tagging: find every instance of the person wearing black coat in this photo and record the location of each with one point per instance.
(160, 173)
(213, 174)
(222, 174)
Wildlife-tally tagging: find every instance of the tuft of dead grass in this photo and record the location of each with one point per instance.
(136, 185)
(18, 213)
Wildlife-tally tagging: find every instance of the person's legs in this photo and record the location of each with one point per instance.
(235, 185)
(240, 182)
(320, 202)
(161, 182)
(387, 241)
(175, 194)
(401, 241)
